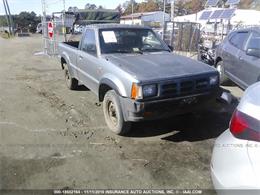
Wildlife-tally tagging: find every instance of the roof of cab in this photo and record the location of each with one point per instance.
(106, 26)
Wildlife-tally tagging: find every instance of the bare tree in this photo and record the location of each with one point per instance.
(90, 6)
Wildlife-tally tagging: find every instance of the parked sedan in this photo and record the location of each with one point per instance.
(235, 161)
(238, 57)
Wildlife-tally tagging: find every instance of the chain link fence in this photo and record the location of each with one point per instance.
(184, 37)
(62, 24)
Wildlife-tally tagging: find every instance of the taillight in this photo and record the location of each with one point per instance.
(243, 126)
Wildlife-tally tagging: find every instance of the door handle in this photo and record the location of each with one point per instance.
(80, 57)
(241, 58)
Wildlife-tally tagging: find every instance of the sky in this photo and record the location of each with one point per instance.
(16, 6)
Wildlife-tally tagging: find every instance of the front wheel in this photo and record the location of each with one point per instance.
(114, 115)
(220, 68)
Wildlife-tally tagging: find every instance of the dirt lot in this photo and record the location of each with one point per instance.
(53, 138)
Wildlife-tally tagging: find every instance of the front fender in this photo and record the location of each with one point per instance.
(115, 84)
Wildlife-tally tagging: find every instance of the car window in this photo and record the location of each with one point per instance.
(89, 42)
(151, 40)
(239, 39)
(129, 40)
(254, 41)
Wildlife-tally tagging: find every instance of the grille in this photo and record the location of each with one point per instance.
(170, 89)
(202, 84)
(184, 87)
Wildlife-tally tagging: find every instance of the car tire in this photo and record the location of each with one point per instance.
(71, 83)
(114, 115)
(222, 77)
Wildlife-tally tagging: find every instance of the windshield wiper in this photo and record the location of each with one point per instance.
(119, 51)
(125, 51)
(154, 49)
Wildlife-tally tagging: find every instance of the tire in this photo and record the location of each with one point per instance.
(71, 83)
(223, 78)
(114, 115)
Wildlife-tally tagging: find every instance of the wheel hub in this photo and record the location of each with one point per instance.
(112, 113)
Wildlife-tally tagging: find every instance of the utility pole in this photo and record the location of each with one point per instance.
(63, 20)
(172, 10)
(132, 1)
(44, 27)
(163, 22)
(10, 17)
(7, 17)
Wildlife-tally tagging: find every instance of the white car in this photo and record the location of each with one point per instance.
(235, 163)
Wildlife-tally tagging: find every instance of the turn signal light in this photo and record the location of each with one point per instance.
(136, 92)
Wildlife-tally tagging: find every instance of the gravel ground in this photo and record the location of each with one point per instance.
(53, 138)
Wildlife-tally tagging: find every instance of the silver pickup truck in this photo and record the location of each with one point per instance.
(136, 75)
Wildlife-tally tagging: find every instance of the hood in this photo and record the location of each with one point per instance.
(156, 66)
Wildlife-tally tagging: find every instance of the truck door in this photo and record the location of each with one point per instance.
(87, 61)
(250, 65)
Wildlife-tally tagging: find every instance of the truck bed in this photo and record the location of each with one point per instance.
(72, 43)
(70, 49)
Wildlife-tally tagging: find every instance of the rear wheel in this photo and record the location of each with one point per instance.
(114, 115)
(220, 68)
(71, 83)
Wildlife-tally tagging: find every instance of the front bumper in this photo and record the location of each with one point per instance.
(149, 110)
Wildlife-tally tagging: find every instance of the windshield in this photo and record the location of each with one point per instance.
(130, 41)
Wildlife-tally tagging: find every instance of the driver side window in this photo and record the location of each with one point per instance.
(239, 40)
(254, 42)
(89, 43)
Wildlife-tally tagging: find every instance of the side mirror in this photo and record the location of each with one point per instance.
(253, 52)
(170, 47)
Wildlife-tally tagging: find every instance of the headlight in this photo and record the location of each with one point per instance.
(149, 90)
(145, 91)
(213, 80)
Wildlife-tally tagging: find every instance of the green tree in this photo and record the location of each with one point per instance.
(180, 8)
(27, 20)
(3, 21)
(194, 6)
(145, 6)
(73, 9)
(128, 7)
(90, 6)
(148, 6)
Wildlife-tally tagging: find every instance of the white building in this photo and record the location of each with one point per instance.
(145, 18)
(240, 17)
